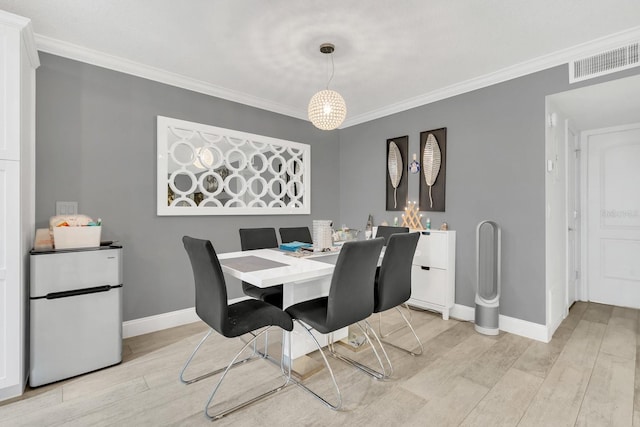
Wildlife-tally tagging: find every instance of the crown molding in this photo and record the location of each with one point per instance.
(8, 18)
(23, 25)
(116, 63)
(30, 44)
(560, 57)
(518, 70)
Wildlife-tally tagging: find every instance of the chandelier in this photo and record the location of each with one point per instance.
(327, 108)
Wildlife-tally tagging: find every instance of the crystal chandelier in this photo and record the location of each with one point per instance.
(327, 108)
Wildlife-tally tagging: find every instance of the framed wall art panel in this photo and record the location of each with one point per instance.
(397, 181)
(433, 174)
(207, 170)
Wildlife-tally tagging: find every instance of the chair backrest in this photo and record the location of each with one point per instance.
(295, 234)
(258, 238)
(351, 293)
(385, 231)
(211, 289)
(393, 284)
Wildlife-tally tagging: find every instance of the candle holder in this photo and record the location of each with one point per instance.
(412, 217)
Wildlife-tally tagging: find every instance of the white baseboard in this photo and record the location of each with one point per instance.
(10, 392)
(512, 325)
(145, 325)
(463, 312)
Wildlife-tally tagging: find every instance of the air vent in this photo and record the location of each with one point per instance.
(604, 63)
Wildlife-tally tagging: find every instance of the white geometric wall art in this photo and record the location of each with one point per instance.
(207, 170)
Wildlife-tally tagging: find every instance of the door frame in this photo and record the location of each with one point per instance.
(573, 156)
(584, 238)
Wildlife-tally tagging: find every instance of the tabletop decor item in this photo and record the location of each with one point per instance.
(322, 234)
(368, 231)
(412, 217)
(433, 145)
(397, 182)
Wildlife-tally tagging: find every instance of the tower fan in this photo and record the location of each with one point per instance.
(488, 278)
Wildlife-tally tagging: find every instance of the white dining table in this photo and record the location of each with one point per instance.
(303, 279)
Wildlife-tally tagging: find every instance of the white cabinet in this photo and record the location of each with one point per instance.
(433, 273)
(18, 60)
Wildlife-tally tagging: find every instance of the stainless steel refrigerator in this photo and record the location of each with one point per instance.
(75, 312)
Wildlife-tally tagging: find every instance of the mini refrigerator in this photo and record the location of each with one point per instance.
(75, 312)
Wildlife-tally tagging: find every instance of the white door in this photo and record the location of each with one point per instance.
(613, 223)
(573, 221)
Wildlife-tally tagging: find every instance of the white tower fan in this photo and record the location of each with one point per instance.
(488, 248)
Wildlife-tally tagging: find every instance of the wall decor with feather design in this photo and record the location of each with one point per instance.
(433, 145)
(431, 158)
(396, 178)
(394, 165)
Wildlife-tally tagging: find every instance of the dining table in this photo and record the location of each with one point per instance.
(304, 276)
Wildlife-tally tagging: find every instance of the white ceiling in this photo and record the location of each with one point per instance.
(390, 55)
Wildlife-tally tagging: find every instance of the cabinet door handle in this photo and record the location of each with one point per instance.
(425, 233)
(425, 268)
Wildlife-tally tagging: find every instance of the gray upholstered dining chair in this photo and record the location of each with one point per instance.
(393, 281)
(244, 317)
(350, 301)
(295, 234)
(385, 231)
(261, 238)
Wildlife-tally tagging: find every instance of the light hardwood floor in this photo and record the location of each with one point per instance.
(585, 376)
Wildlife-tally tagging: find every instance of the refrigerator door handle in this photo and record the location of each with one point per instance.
(75, 292)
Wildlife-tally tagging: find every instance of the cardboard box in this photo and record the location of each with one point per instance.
(76, 237)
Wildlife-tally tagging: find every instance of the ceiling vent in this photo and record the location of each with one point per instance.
(603, 63)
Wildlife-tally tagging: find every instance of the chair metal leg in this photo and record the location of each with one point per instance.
(250, 401)
(383, 335)
(326, 362)
(217, 371)
(408, 323)
(364, 368)
(386, 356)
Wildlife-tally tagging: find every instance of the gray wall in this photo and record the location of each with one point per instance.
(96, 144)
(495, 170)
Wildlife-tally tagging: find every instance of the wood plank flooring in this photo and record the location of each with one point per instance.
(587, 375)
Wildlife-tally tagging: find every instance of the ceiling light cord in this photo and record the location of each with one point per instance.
(332, 70)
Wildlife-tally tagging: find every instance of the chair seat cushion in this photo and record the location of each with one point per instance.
(312, 312)
(249, 315)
